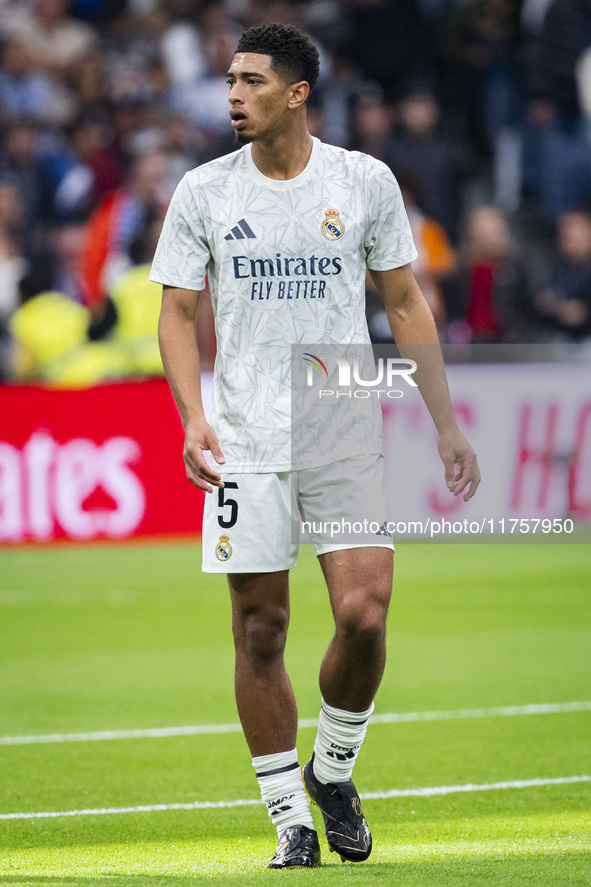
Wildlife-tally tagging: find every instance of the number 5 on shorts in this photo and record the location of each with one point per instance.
(224, 501)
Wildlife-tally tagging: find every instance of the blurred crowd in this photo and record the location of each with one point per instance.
(481, 108)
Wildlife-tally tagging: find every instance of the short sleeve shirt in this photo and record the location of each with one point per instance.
(285, 261)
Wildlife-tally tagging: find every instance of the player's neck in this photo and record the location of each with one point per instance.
(284, 157)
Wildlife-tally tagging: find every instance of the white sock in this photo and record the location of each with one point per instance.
(282, 789)
(339, 738)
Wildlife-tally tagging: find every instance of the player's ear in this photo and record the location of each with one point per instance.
(298, 93)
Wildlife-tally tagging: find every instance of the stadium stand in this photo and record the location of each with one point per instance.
(105, 105)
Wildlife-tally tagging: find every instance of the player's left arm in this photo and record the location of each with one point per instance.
(415, 333)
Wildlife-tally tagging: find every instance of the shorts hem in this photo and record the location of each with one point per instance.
(343, 546)
(226, 568)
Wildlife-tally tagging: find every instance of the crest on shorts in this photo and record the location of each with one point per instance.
(332, 227)
(223, 550)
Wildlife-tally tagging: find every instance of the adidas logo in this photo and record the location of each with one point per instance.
(383, 531)
(240, 231)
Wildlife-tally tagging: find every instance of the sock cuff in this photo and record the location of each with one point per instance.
(272, 765)
(347, 717)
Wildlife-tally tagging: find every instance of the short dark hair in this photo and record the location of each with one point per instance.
(293, 55)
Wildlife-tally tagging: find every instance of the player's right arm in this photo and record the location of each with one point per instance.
(180, 357)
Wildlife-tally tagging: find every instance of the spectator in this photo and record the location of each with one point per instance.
(83, 171)
(372, 123)
(44, 328)
(387, 42)
(565, 302)
(334, 98)
(566, 33)
(11, 209)
(57, 41)
(487, 298)
(205, 100)
(92, 141)
(419, 146)
(91, 84)
(12, 265)
(137, 302)
(49, 333)
(184, 147)
(20, 162)
(181, 45)
(129, 116)
(121, 219)
(435, 261)
(66, 248)
(23, 91)
(549, 159)
(55, 44)
(480, 46)
(12, 14)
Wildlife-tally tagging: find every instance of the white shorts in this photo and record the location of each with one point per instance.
(256, 522)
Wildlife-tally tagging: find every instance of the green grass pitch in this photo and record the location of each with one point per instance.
(108, 638)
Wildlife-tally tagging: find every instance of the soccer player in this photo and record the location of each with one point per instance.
(284, 229)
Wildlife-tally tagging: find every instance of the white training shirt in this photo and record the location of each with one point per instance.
(285, 262)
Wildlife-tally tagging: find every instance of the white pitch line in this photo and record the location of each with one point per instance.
(426, 792)
(506, 711)
(387, 718)
(144, 808)
(432, 791)
(104, 735)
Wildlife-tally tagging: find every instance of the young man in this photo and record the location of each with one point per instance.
(284, 229)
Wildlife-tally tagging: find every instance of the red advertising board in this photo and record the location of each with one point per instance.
(103, 462)
(106, 462)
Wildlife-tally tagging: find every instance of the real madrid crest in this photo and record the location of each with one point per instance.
(332, 227)
(223, 550)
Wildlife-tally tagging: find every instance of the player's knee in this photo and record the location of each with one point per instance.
(361, 619)
(260, 636)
